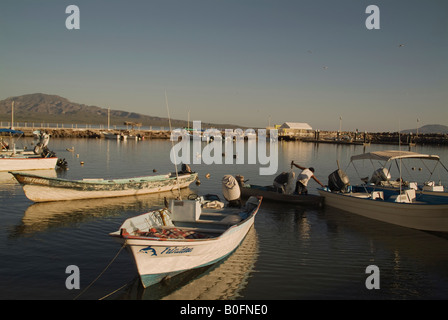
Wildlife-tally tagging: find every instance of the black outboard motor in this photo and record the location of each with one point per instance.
(338, 181)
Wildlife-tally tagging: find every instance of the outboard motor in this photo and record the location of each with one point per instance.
(338, 181)
(379, 175)
(62, 164)
(43, 139)
(231, 191)
(186, 168)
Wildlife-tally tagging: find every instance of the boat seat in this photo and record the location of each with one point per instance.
(377, 195)
(360, 195)
(408, 196)
(228, 219)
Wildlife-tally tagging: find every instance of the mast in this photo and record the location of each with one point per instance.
(172, 143)
(12, 115)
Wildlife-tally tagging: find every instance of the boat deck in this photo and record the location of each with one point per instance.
(215, 222)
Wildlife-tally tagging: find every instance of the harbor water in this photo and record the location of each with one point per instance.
(291, 253)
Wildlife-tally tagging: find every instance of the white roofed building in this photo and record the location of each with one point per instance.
(295, 129)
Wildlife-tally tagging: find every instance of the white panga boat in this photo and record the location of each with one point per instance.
(26, 162)
(186, 236)
(412, 163)
(40, 158)
(404, 208)
(40, 188)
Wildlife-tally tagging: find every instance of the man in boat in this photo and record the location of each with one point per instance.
(303, 178)
(281, 181)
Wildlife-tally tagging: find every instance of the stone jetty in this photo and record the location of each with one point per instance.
(96, 133)
(318, 136)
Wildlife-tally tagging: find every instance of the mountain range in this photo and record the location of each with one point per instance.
(46, 108)
(429, 128)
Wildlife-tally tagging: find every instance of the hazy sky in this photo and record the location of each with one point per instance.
(236, 61)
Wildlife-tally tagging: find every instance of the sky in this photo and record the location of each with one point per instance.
(245, 62)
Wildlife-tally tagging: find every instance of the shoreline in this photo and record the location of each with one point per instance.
(334, 137)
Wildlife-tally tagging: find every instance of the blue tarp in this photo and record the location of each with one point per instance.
(11, 131)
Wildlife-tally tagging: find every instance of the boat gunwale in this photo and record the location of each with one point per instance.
(64, 183)
(127, 236)
(386, 202)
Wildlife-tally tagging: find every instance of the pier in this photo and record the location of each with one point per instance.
(315, 136)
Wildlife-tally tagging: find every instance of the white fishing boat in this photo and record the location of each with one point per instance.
(404, 208)
(41, 189)
(12, 159)
(25, 162)
(406, 161)
(186, 236)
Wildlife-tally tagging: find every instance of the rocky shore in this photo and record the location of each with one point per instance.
(321, 136)
(97, 133)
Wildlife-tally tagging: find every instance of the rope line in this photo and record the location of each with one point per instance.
(104, 270)
(108, 295)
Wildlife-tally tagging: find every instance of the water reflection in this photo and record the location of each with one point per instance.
(404, 244)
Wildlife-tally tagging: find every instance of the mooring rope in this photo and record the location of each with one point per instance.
(111, 293)
(104, 270)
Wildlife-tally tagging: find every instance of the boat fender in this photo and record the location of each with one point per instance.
(230, 188)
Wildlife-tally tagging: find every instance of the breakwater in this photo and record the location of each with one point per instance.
(345, 137)
(393, 138)
(97, 133)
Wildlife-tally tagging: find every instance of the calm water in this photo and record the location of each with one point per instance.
(291, 253)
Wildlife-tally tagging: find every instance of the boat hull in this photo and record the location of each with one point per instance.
(27, 163)
(43, 189)
(308, 199)
(158, 258)
(422, 216)
(175, 257)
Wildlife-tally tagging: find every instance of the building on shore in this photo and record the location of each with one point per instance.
(295, 130)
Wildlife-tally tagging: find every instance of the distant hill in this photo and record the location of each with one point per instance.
(46, 108)
(429, 128)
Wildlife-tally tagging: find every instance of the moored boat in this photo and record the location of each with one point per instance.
(40, 158)
(41, 189)
(26, 162)
(186, 236)
(405, 161)
(269, 193)
(406, 208)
